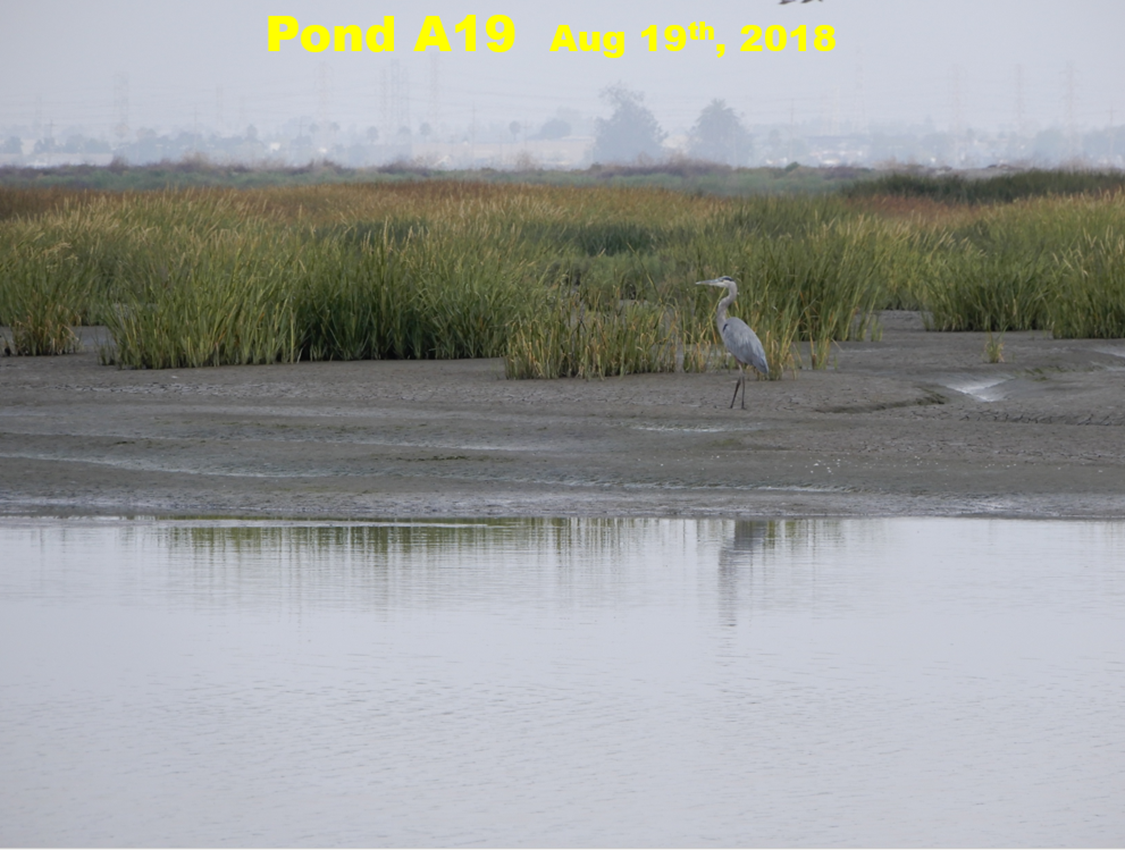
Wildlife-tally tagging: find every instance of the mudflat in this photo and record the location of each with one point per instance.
(916, 423)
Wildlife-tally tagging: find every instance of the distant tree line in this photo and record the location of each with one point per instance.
(632, 133)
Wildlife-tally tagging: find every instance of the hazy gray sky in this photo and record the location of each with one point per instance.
(196, 63)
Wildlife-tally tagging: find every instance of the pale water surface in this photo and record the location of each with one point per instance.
(568, 682)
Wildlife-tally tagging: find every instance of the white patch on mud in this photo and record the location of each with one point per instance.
(982, 389)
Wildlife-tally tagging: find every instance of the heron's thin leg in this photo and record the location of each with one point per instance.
(743, 389)
(741, 381)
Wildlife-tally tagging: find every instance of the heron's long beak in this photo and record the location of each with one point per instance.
(712, 282)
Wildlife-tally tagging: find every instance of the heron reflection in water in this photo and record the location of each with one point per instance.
(745, 550)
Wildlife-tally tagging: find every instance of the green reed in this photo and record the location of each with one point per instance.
(1046, 264)
(36, 309)
(447, 295)
(958, 189)
(1092, 291)
(224, 307)
(557, 280)
(574, 337)
(819, 284)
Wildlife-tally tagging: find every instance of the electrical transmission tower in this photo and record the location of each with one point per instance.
(957, 126)
(121, 107)
(220, 120)
(1068, 97)
(860, 108)
(324, 103)
(1021, 121)
(435, 89)
(396, 100)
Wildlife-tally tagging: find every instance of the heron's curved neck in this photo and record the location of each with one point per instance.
(732, 293)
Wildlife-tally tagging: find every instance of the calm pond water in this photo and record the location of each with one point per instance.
(562, 682)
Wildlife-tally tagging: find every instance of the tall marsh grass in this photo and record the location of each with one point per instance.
(819, 283)
(560, 281)
(1040, 264)
(574, 339)
(959, 189)
(37, 299)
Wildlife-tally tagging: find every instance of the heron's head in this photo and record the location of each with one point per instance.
(725, 281)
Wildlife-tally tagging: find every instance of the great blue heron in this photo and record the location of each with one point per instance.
(740, 341)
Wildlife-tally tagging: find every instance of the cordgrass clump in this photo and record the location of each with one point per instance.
(1001, 188)
(584, 281)
(1043, 264)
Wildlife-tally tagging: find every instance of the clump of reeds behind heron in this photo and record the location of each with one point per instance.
(560, 281)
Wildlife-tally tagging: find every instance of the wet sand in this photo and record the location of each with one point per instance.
(914, 424)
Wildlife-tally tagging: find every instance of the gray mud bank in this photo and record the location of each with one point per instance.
(914, 424)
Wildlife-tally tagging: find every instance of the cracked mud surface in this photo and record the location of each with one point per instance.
(914, 424)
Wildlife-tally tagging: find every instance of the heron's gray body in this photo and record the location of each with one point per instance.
(737, 336)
